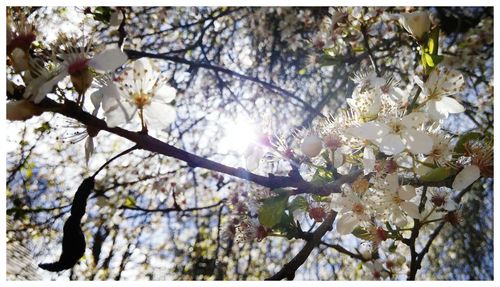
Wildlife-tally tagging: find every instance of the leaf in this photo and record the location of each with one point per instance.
(129, 201)
(102, 14)
(299, 203)
(361, 233)
(272, 210)
(459, 147)
(43, 128)
(286, 226)
(393, 247)
(302, 71)
(428, 60)
(437, 174)
(327, 60)
(433, 43)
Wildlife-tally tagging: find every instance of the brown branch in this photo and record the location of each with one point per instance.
(146, 142)
(341, 249)
(417, 257)
(174, 209)
(288, 270)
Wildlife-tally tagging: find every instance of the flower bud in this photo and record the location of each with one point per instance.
(19, 60)
(416, 23)
(311, 146)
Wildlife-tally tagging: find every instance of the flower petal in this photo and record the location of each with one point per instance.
(253, 156)
(450, 82)
(448, 105)
(159, 115)
(407, 192)
(47, 87)
(392, 181)
(466, 177)
(368, 160)
(108, 60)
(89, 148)
(369, 130)
(410, 208)
(417, 141)
(392, 144)
(165, 93)
(414, 119)
(346, 223)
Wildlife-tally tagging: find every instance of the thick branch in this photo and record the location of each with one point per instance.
(146, 142)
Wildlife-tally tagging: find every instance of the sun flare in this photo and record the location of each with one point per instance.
(238, 135)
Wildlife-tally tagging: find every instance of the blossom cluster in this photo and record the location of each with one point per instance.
(410, 166)
(94, 71)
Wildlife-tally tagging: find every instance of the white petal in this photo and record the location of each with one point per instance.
(425, 92)
(253, 156)
(433, 79)
(449, 105)
(108, 60)
(368, 160)
(159, 115)
(47, 87)
(165, 93)
(414, 119)
(391, 144)
(432, 110)
(450, 205)
(96, 98)
(346, 223)
(450, 82)
(466, 177)
(117, 113)
(417, 141)
(89, 148)
(410, 208)
(392, 181)
(143, 74)
(398, 217)
(369, 130)
(407, 192)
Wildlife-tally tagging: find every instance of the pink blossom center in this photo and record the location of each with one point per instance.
(78, 66)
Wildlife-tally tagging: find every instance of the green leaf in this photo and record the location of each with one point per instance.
(102, 14)
(43, 128)
(129, 201)
(393, 247)
(361, 233)
(322, 176)
(299, 203)
(286, 226)
(428, 60)
(272, 210)
(459, 147)
(302, 71)
(437, 174)
(433, 43)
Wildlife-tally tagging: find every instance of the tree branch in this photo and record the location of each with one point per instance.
(132, 54)
(146, 142)
(288, 271)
